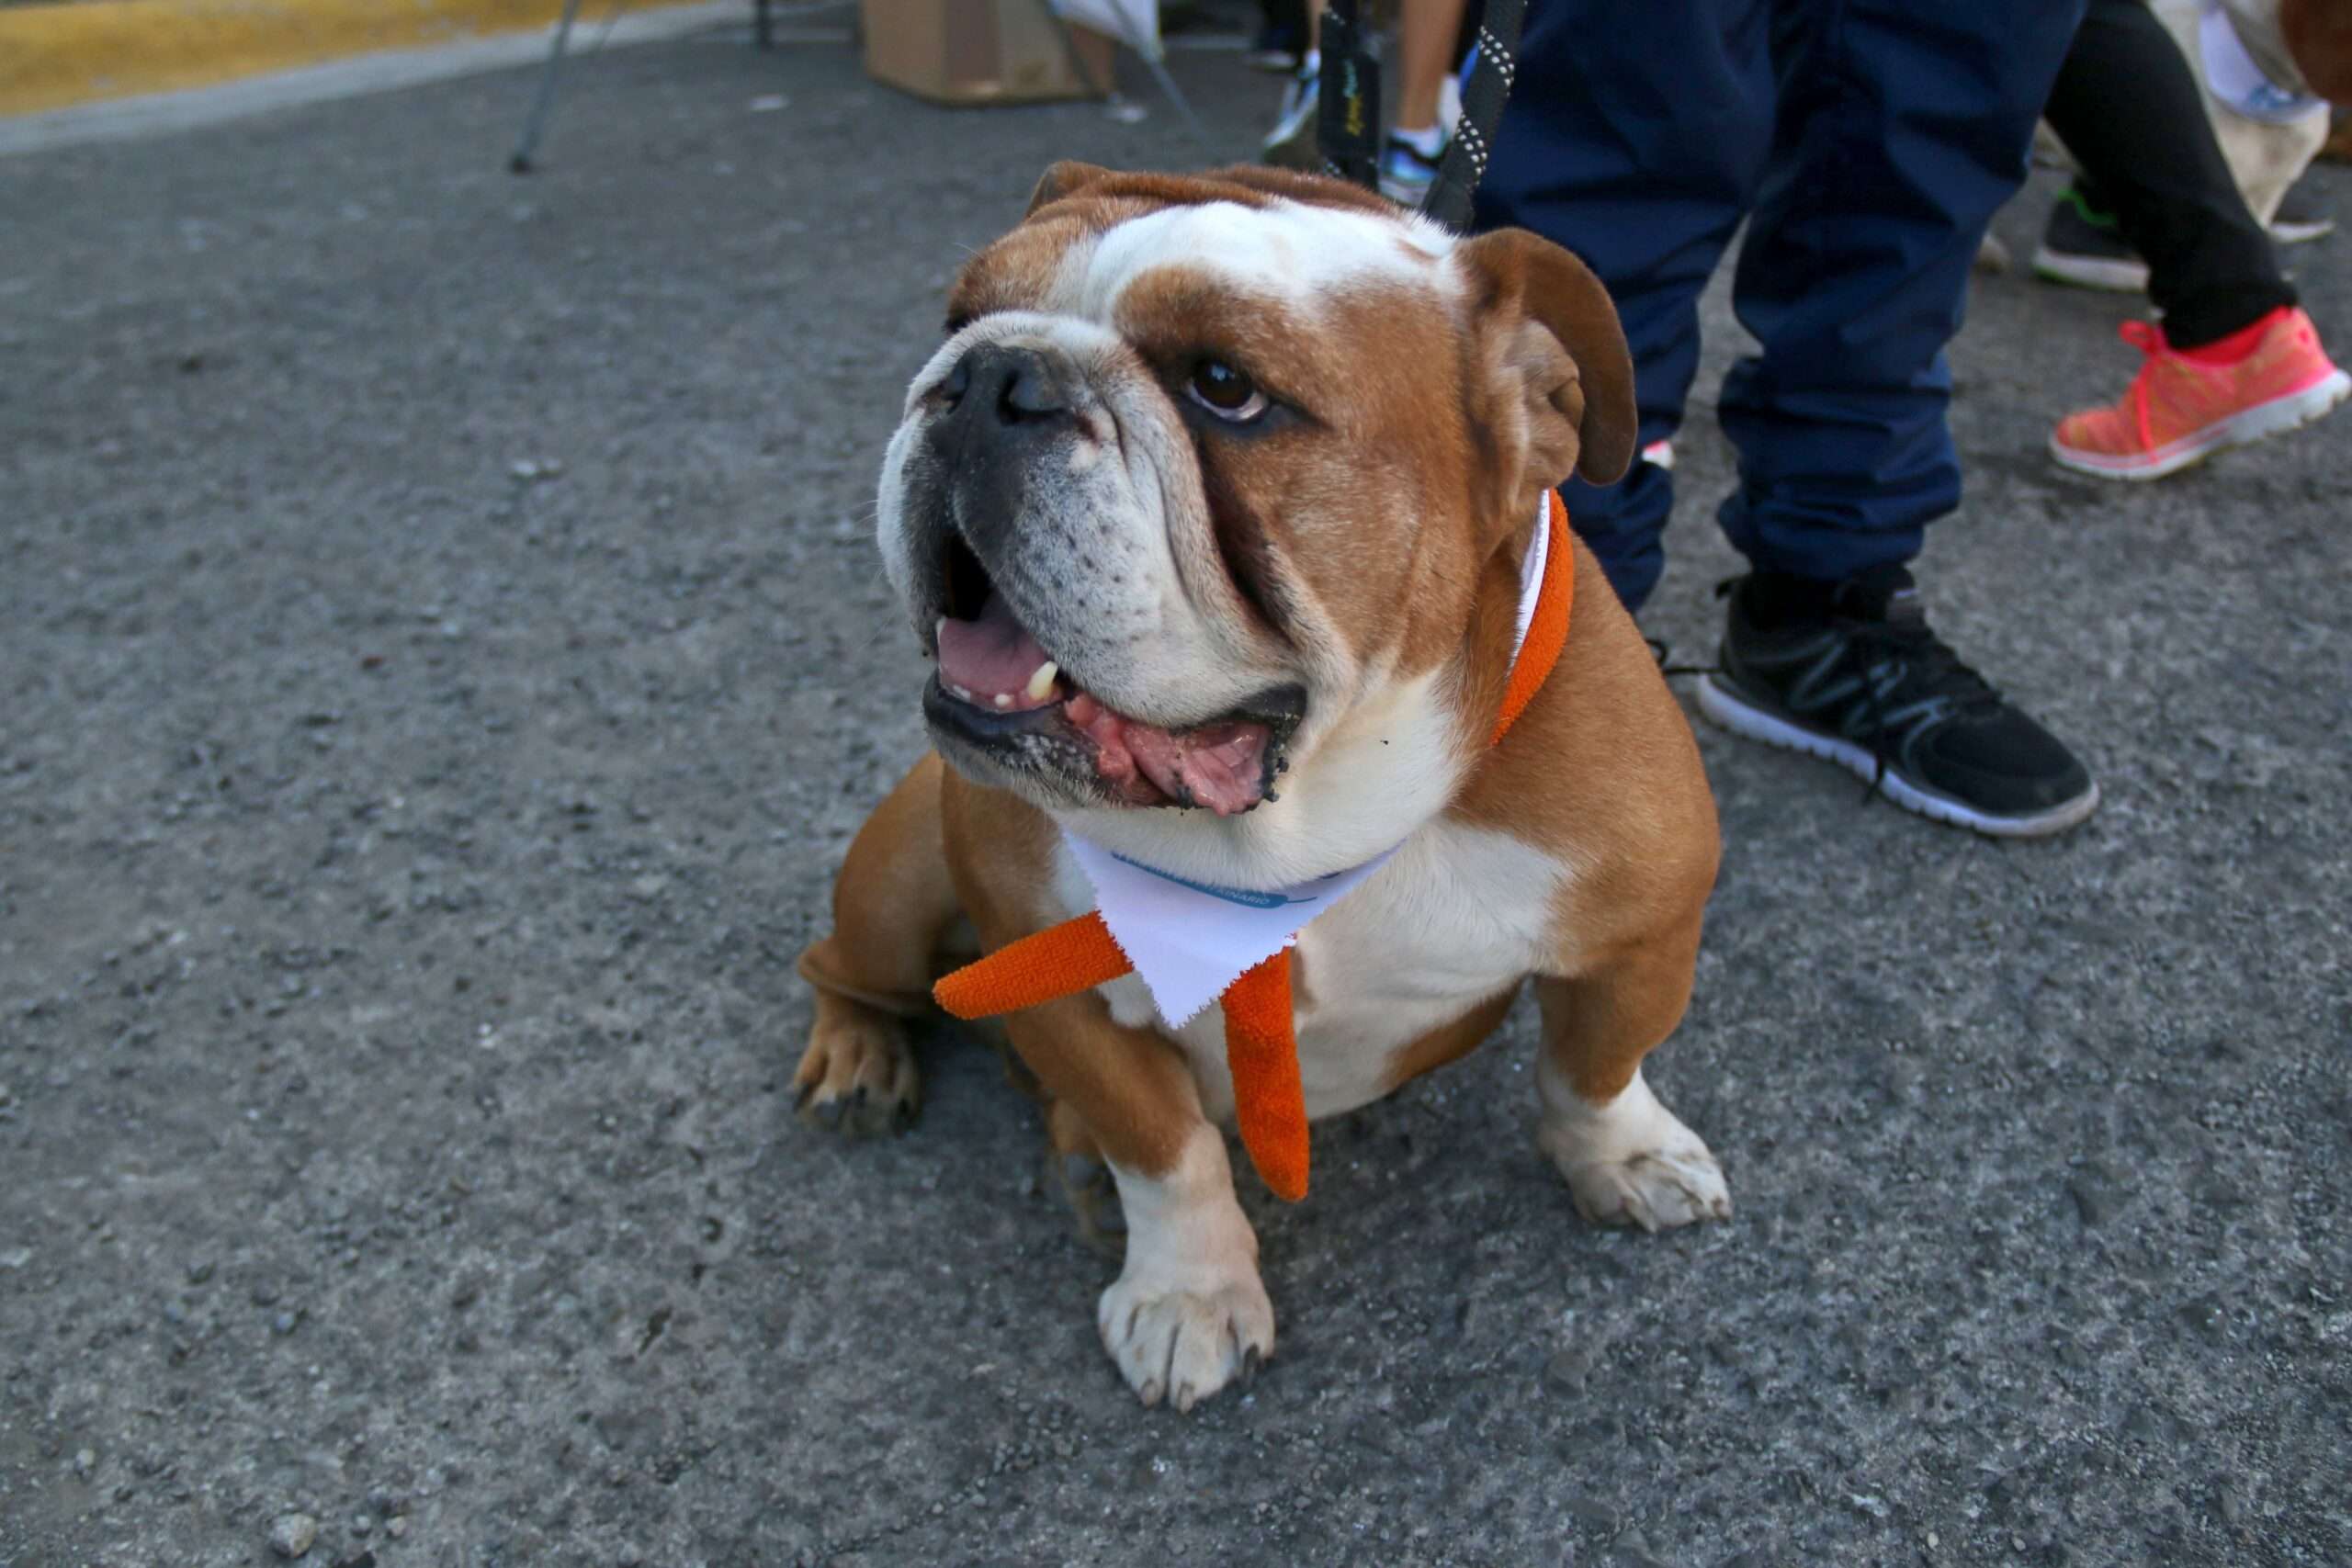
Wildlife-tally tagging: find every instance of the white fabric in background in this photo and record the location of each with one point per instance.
(1134, 23)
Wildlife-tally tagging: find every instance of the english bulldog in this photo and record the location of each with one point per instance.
(1215, 508)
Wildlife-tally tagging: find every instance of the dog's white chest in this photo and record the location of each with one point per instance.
(1460, 914)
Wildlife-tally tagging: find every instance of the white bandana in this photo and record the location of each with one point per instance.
(1190, 939)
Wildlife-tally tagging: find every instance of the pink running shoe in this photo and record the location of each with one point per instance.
(2181, 409)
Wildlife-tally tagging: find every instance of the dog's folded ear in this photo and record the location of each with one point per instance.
(1561, 339)
(1064, 178)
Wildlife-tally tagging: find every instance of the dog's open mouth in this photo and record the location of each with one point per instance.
(997, 690)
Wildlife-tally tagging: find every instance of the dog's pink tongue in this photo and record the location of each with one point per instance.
(993, 657)
(1220, 766)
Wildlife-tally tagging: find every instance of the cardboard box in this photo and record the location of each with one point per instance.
(980, 52)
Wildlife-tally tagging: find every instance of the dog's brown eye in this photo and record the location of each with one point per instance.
(1225, 391)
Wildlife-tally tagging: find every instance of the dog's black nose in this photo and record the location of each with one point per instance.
(1014, 386)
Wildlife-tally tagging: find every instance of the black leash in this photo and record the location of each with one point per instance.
(1347, 120)
(1482, 95)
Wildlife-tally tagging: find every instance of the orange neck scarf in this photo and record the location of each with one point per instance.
(1261, 1047)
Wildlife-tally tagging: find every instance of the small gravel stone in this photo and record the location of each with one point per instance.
(85, 1461)
(1567, 1370)
(2097, 1194)
(293, 1535)
(1633, 1549)
(1596, 1513)
(2207, 1318)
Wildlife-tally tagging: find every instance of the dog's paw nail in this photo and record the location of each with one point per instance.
(1150, 1393)
(801, 1096)
(902, 1118)
(1250, 1361)
(1184, 1399)
(857, 1100)
(829, 1115)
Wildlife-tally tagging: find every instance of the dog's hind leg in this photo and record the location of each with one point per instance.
(1077, 1168)
(893, 903)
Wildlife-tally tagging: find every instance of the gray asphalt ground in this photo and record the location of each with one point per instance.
(443, 657)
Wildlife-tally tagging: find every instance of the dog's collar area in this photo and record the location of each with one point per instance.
(1192, 945)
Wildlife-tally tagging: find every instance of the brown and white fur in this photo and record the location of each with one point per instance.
(1365, 549)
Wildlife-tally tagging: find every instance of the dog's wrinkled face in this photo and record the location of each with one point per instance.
(1207, 466)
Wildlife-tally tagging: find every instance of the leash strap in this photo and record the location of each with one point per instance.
(1483, 96)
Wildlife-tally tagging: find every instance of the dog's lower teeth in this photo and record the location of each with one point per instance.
(1041, 681)
(1003, 699)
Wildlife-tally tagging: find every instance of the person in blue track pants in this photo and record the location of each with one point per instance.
(1866, 144)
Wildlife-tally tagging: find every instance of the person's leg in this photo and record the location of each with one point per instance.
(2130, 110)
(1408, 153)
(1291, 142)
(1903, 125)
(2235, 358)
(1425, 57)
(1639, 148)
(1283, 37)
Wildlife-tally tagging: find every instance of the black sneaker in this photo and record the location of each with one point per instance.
(2080, 245)
(1862, 681)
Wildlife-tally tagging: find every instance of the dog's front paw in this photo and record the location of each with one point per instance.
(1184, 1344)
(858, 1074)
(1655, 1188)
(1188, 1314)
(1632, 1162)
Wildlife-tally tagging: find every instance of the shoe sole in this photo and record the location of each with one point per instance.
(2300, 230)
(2276, 417)
(1730, 711)
(1405, 193)
(2090, 272)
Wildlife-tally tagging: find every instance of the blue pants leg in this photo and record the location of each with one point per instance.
(1873, 140)
(1902, 126)
(1637, 140)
